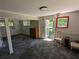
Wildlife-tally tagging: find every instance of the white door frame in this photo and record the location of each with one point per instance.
(8, 35)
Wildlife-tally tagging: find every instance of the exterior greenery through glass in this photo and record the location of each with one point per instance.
(51, 27)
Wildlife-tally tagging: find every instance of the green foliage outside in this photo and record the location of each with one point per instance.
(62, 22)
(51, 29)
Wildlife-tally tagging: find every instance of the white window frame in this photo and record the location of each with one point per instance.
(26, 23)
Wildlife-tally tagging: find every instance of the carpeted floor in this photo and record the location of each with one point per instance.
(25, 48)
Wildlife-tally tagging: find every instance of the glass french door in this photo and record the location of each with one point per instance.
(49, 28)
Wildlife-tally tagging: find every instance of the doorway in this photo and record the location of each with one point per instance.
(49, 28)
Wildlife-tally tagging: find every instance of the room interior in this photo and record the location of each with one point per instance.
(31, 29)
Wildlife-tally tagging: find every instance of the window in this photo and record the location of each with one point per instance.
(2, 24)
(11, 23)
(26, 23)
(51, 27)
(62, 22)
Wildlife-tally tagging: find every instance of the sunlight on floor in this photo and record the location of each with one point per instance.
(48, 39)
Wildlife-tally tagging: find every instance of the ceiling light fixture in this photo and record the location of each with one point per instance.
(43, 8)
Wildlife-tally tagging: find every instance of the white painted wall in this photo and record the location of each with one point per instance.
(41, 27)
(26, 29)
(73, 23)
(72, 31)
(17, 16)
(14, 30)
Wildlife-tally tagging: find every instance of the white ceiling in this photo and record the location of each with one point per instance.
(31, 7)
